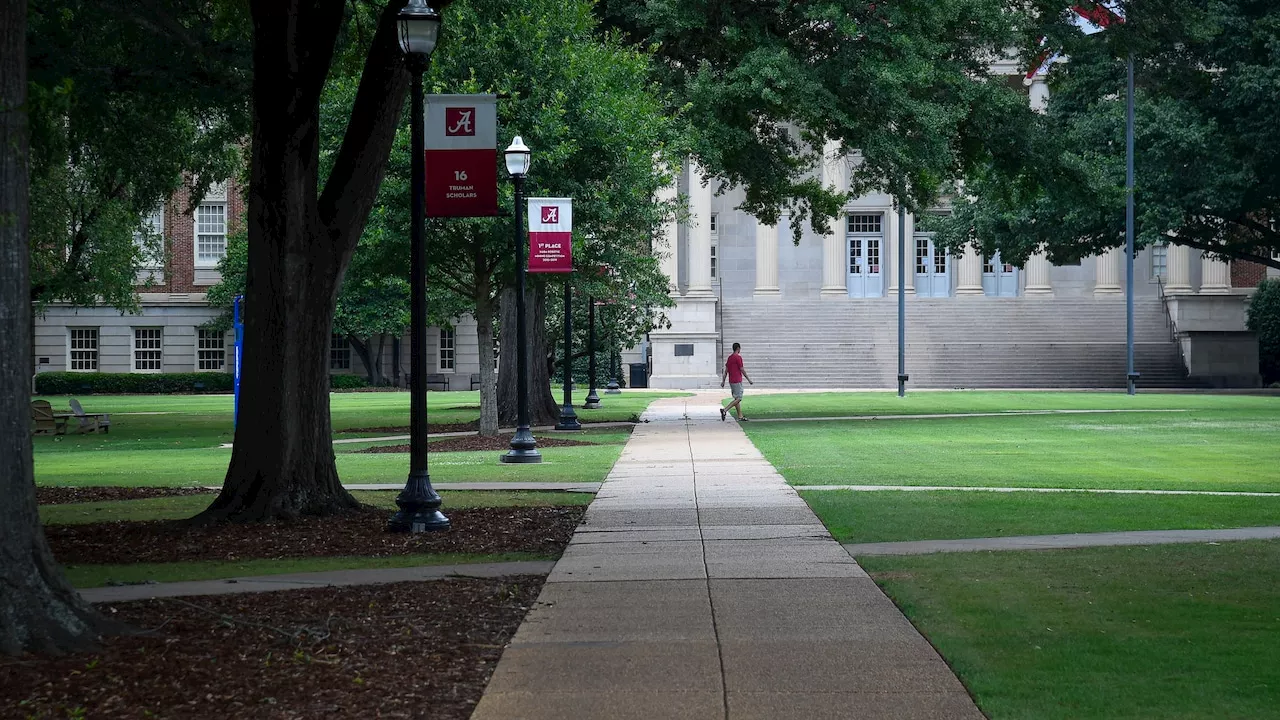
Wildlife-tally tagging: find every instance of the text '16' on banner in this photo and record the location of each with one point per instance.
(462, 155)
(550, 235)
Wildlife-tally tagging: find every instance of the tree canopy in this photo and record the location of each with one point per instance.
(128, 100)
(906, 84)
(1207, 158)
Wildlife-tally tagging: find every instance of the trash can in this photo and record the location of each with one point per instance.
(639, 375)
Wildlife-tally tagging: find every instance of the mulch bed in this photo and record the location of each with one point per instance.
(408, 650)
(65, 495)
(475, 442)
(479, 530)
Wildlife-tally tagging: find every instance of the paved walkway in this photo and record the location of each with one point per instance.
(299, 581)
(702, 586)
(1052, 542)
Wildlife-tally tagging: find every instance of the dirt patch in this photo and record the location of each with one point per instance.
(65, 495)
(409, 650)
(475, 442)
(478, 530)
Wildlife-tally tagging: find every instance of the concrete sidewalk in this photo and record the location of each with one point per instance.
(702, 586)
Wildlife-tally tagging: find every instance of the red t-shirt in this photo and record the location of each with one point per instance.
(734, 366)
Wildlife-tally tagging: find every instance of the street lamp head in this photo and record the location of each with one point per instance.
(517, 158)
(419, 27)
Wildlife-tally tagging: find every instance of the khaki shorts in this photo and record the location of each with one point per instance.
(735, 389)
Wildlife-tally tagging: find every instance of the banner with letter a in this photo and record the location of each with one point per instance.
(462, 155)
(550, 235)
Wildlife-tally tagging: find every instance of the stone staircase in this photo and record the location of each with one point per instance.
(971, 342)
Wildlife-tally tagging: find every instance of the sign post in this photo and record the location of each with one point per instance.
(461, 155)
(238, 323)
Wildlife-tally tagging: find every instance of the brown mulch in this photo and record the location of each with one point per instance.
(478, 530)
(408, 650)
(475, 442)
(65, 495)
(404, 429)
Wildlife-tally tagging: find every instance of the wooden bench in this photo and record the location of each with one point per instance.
(438, 382)
(45, 421)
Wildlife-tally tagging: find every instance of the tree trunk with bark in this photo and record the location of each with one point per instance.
(300, 243)
(543, 408)
(39, 610)
(488, 377)
(370, 349)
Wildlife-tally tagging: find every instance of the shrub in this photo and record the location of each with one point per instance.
(69, 383)
(1264, 320)
(347, 382)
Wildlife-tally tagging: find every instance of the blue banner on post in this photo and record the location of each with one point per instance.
(239, 326)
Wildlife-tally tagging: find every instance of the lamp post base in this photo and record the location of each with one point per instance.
(613, 388)
(592, 402)
(523, 448)
(568, 419)
(419, 508)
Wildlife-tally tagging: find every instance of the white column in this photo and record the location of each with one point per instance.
(970, 272)
(1039, 94)
(766, 260)
(699, 232)
(668, 243)
(1179, 269)
(1108, 274)
(1038, 275)
(834, 262)
(1215, 276)
(908, 258)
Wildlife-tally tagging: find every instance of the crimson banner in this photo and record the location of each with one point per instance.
(462, 155)
(550, 235)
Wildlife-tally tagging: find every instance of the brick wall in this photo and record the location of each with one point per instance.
(179, 232)
(1246, 274)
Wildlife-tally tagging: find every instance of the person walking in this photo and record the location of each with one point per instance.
(736, 373)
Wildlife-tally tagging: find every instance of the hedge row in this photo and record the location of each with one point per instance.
(69, 383)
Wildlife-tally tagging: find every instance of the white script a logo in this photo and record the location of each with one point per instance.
(458, 121)
(550, 215)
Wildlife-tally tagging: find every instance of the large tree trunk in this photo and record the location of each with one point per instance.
(488, 378)
(543, 408)
(39, 610)
(369, 349)
(282, 465)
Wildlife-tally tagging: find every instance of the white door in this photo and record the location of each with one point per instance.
(865, 236)
(933, 268)
(999, 279)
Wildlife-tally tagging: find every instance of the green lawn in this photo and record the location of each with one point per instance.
(1223, 448)
(1176, 631)
(894, 515)
(181, 446)
(844, 404)
(176, 508)
(87, 576)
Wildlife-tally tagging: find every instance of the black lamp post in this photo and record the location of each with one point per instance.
(613, 388)
(419, 503)
(523, 446)
(568, 418)
(593, 400)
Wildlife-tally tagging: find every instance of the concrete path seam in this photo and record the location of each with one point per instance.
(1062, 541)
(706, 569)
(981, 488)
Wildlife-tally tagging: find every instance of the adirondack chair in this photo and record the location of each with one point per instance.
(90, 422)
(44, 421)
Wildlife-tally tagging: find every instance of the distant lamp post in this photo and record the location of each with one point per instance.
(613, 388)
(419, 503)
(593, 400)
(523, 446)
(568, 418)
